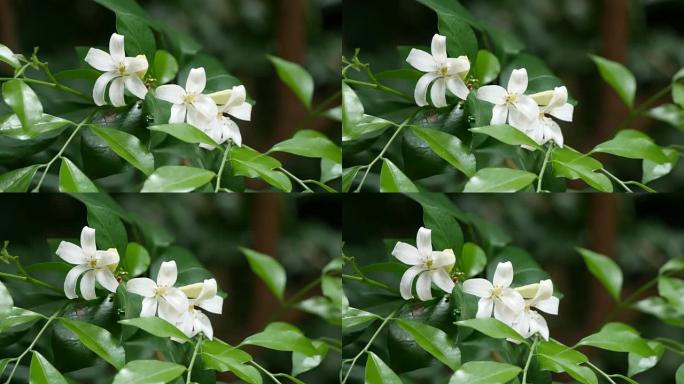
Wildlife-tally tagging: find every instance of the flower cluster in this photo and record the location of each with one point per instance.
(209, 113)
(513, 306)
(528, 113)
(177, 305)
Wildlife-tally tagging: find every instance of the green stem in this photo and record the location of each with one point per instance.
(324, 106)
(370, 342)
(529, 360)
(543, 168)
(30, 347)
(264, 370)
(319, 184)
(192, 359)
(645, 105)
(59, 86)
(380, 87)
(632, 298)
(220, 171)
(32, 280)
(287, 304)
(362, 276)
(622, 184)
(295, 178)
(601, 372)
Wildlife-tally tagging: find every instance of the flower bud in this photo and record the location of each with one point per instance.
(528, 291)
(192, 290)
(449, 267)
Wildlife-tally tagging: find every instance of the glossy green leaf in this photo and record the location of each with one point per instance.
(165, 67)
(12, 127)
(23, 101)
(72, 179)
(7, 56)
(377, 372)
(18, 180)
(556, 357)
(461, 40)
(42, 372)
(392, 179)
(126, 7)
(669, 113)
(128, 147)
(492, 328)
(98, 340)
(434, 341)
(223, 357)
(302, 363)
(136, 259)
(185, 132)
(310, 143)
(618, 77)
(633, 145)
(446, 232)
(156, 326)
(268, 269)
(18, 316)
(148, 372)
(282, 337)
(449, 148)
(672, 289)
(573, 165)
(473, 259)
(653, 171)
(679, 375)
(250, 163)
(352, 114)
(296, 78)
(527, 270)
(507, 134)
(6, 302)
(484, 372)
(605, 270)
(367, 124)
(177, 179)
(499, 180)
(139, 39)
(618, 337)
(110, 231)
(355, 317)
(638, 363)
(487, 67)
(348, 177)
(330, 170)
(673, 265)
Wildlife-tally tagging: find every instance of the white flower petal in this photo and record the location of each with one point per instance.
(493, 94)
(517, 83)
(172, 93)
(438, 93)
(456, 85)
(178, 113)
(238, 96)
(499, 114)
(544, 291)
(88, 242)
(203, 324)
(71, 253)
(205, 105)
(522, 324)
(88, 285)
(538, 325)
(198, 119)
(513, 300)
(209, 289)
(100, 60)
(213, 305)
(422, 85)
(106, 279)
(167, 275)
(424, 286)
(100, 87)
(421, 61)
(116, 48)
(136, 86)
(484, 308)
(406, 253)
(407, 281)
(230, 130)
(549, 305)
(504, 314)
(518, 120)
(439, 48)
(197, 81)
(149, 307)
(459, 66)
(441, 259)
(242, 111)
(167, 312)
(503, 276)
(527, 106)
(559, 97)
(108, 257)
(141, 286)
(564, 112)
(478, 287)
(442, 280)
(177, 299)
(136, 64)
(186, 322)
(116, 92)
(424, 242)
(71, 278)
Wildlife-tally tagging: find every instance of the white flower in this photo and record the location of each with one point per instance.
(511, 104)
(430, 266)
(530, 321)
(160, 297)
(448, 73)
(231, 102)
(189, 104)
(505, 301)
(554, 103)
(124, 71)
(94, 265)
(193, 321)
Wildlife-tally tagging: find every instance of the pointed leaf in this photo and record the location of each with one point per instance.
(618, 337)
(484, 372)
(72, 179)
(392, 179)
(377, 372)
(148, 372)
(296, 78)
(449, 148)
(310, 143)
(42, 372)
(268, 269)
(633, 145)
(18, 180)
(507, 135)
(605, 270)
(156, 326)
(185, 132)
(492, 328)
(499, 180)
(98, 340)
(282, 337)
(128, 147)
(177, 179)
(618, 77)
(434, 341)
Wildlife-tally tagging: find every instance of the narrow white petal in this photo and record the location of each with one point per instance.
(523, 123)
(100, 60)
(106, 279)
(70, 280)
(503, 276)
(559, 97)
(424, 286)
(442, 280)
(564, 112)
(71, 253)
(517, 83)
(478, 287)
(549, 305)
(406, 253)
(186, 322)
(198, 119)
(116, 92)
(88, 285)
(421, 61)
(438, 93)
(141, 286)
(493, 94)
(88, 242)
(172, 93)
(100, 87)
(441, 259)
(203, 323)
(178, 113)
(458, 87)
(149, 307)
(544, 291)
(407, 281)
(238, 96)
(513, 300)
(136, 86)
(177, 299)
(424, 242)
(499, 114)
(230, 130)
(167, 312)
(136, 64)
(116, 48)
(439, 48)
(527, 106)
(538, 325)
(108, 257)
(504, 314)
(484, 308)
(213, 305)
(209, 289)
(168, 272)
(522, 324)
(197, 80)
(242, 111)
(205, 105)
(459, 66)
(422, 85)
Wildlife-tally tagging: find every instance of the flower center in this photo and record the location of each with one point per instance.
(92, 263)
(443, 70)
(122, 69)
(497, 292)
(160, 291)
(511, 99)
(189, 98)
(429, 262)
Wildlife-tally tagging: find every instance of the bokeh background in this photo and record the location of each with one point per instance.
(301, 231)
(240, 33)
(646, 35)
(641, 235)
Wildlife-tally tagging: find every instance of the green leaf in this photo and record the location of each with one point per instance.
(7, 56)
(556, 357)
(434, 341)
(355, 317)
(487, 67)
(679, 375)
(250, 163)
(165, 67)
(128, 147)
(18, 316)
(185, 132)
(605, 270)
(573, 165)
(139, 39)
(507, 135)
(110, 231)
(330, 170)
(618, 77)
(473, 259)
(492, 328)
(156, 326)
(126, 7)
(136, 259)
(377, 372)
(653, 171)
(223, 357)
(23, 101)
(618, 337)
(367, 124)
(352, 114)
(148, 372)
(98, 340)
(673, 265)
(6, 302)
(527, 270)
(282, 337)
(296, 78)
(18, 180)
(72, 179)
(348, 177)
(310, 143)
(669, 113)
(392, 179)
(177, 179)
(672, 290)
(446, 232)
(633, 145)
(461, 40)
(302, 363)
(484, 372)
(449, 148)
(42, 372)
(638, 363)
(12, 127)
(268, 269)
(499, 180)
